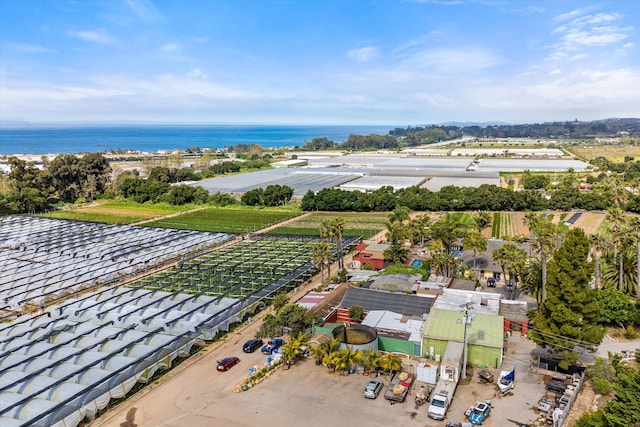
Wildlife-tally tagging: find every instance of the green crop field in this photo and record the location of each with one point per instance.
(228, 220)
(117, 212)
(357, 224)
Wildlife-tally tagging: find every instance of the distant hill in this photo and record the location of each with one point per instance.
(605, 128)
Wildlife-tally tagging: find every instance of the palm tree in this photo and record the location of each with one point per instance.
(599, 244)
(621, 236)
(482, 220)
(634, 224)
(532, 280)
(611, 275)
(332, 229)
(512, 260)
(475, 242)
(390, 363)
(323, 350)
(444, 264)
(400, 214)
(348, 357)
(396, 235)
(321, 254)
(371, 359)
(615, 217)
(338, 224)
(543, 240)
(448, 229)
(289, 351)
(419, 229)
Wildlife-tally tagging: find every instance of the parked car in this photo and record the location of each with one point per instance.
(373, 388)
(252, 345)
(272, 344)
(227, 363)
(491, 282)
(479, 413)
(509, 286)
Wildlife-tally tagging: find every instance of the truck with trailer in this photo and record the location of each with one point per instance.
(450, 369)
(399, 387)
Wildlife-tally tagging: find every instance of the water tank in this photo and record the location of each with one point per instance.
(358, 337)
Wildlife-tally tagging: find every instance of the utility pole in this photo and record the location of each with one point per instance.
(466, 319)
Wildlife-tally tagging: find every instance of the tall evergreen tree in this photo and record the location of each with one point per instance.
(569, 315)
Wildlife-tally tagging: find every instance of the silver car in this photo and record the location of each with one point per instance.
(372, 389)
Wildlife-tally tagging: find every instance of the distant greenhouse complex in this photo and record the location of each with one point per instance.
(86, 316)
(372, 171)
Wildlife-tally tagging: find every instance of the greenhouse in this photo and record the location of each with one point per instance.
(299, 179)
(44, 260)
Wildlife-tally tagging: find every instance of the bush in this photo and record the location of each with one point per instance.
(602, 386)
(630, 333)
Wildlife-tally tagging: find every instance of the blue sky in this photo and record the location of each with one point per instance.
(318, 61)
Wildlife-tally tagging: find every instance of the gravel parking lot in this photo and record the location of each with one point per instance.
(306, 395)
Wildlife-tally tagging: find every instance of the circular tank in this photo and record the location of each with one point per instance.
(359, 337)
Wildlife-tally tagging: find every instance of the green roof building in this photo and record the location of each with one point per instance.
(485, 336)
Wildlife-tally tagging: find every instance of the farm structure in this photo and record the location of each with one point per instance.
(299, 179)
(66, 363)
(46, 260)
(398, 169)
(485, 336)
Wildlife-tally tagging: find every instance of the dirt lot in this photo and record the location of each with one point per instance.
(306, 395)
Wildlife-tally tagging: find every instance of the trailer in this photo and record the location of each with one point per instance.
(450, 368)
(399, 387)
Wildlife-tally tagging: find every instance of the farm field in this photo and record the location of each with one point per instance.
(226, 220)
(611, 153)
(115, 212)
(510, 224)
(357, 224)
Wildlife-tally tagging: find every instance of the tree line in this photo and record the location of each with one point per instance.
(413, 136)
(451, 198)
(31, 188)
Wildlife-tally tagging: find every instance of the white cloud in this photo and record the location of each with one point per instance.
(601, 29)
(446, 60)
(28, 48)
(196, 73)
(95, 36)
(573, 14)
(170, 47)
(145, 9)
(364, 54)
(628, 45)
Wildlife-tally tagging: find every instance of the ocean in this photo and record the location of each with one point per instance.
(147, 138)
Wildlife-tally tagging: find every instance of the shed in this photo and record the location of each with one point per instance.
(515, 316)
(485, 336)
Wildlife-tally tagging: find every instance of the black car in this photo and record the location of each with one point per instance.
(252, 345)
(491, 282)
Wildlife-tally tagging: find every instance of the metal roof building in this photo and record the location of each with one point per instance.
(485, 335)
(404, 304)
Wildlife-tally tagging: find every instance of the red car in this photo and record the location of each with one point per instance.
(226, 363)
